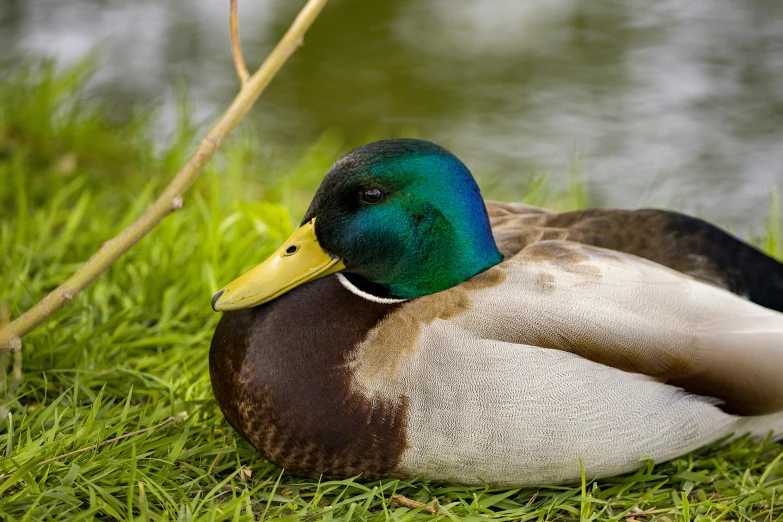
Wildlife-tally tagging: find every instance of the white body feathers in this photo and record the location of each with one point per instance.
(566, 358)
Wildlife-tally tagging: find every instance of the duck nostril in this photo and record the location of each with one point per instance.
(291, 250)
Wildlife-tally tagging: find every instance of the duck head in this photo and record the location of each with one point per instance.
(400, 218)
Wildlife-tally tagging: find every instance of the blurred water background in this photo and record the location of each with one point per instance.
(670, 103)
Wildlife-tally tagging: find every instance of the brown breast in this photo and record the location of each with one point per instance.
(279, 375)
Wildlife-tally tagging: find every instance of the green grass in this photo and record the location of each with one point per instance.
(131, 351)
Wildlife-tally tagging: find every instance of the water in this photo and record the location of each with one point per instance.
(667, 103)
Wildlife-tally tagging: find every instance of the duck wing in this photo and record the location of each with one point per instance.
(635, 315)
(683, 243)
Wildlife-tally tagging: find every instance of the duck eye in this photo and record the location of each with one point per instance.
(372, 195)
(291, 250)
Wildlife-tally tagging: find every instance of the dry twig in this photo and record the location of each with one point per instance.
(236, 45)
(433, 509)
(533, 498)
(171, 198)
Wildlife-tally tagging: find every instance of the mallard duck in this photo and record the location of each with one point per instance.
(407, 328)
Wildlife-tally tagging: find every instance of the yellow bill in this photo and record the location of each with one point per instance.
(299, 260)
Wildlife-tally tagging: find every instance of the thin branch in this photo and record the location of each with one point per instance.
(236, 45)
(432, 509)
(171, 198)
(533, 498)
(107, 441)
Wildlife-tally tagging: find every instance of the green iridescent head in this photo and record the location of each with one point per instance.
(399, 218)
(406, 217)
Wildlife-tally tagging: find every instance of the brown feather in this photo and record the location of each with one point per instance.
(280, 376)
(683, 243)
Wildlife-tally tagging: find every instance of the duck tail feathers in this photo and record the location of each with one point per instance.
(759, 426)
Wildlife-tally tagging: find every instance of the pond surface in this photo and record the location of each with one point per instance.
(668, 103)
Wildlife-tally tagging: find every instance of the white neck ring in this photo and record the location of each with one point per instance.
(364, 295)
